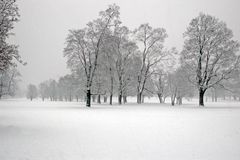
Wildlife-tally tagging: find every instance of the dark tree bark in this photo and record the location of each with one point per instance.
(201, 97)
(120, 99)
(110, 101)
(160, 97)
(173, 100)
(111, 89)
(88, 97)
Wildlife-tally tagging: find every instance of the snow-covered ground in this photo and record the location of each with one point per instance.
(69, 131)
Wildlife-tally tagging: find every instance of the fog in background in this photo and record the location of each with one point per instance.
(44, 25)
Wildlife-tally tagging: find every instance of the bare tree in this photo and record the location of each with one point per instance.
(32, 92)
(84, 45)
(159, 80)
(124, 50)
(151, 41)
(162, 69)
(209, 53)
(109, 64)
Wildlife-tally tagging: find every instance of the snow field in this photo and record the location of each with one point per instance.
(69, 131)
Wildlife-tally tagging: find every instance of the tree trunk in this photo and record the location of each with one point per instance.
(111, 89)
(124, 99)
(88, 98)
(173, 100)
(139, 93)
(120, 99)
(99, 99)
(160, 97)
(179, 100)
(77, 98)
(201, 97)
(139, 98)
(110, 101)
(143, 98)
(42, 98)
(173, 97)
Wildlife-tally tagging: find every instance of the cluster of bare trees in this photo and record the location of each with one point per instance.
(112, 60)
(8, 52)
(107, 59)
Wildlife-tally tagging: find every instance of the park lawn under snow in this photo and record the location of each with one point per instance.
(69, 131)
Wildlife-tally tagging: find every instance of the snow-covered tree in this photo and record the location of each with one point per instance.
(209, 53)
(124, 49)
(151, 45)
(84, 45)
(159, 79)
(8, 81)
(8, 17)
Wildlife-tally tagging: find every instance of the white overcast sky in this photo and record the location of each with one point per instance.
(44, 25)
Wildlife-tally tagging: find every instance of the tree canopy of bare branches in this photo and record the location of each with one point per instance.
(84, 45)
(209, 53)
(151, 40)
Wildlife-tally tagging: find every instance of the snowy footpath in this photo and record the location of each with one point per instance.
(69, 131)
